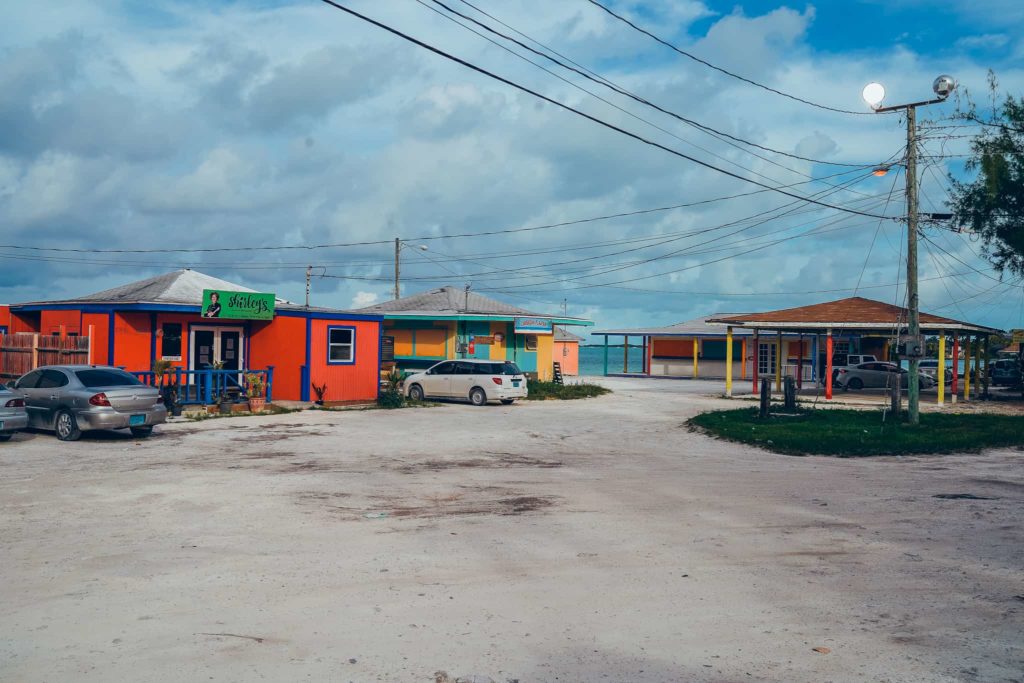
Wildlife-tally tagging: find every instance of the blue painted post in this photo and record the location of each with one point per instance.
(606, 355)
(207, 386)
(270, 383)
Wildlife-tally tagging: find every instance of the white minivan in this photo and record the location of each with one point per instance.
(477, 381)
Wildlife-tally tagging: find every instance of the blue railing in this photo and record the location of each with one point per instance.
(204, 387)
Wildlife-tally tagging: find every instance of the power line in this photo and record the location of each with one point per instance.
(725, 71)
(601, 80)
(578, 112)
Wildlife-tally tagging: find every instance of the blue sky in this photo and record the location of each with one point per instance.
(183, 125)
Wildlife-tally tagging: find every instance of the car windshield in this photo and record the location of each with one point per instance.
(106, 378)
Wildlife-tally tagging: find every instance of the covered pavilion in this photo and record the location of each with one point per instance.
(860, 316)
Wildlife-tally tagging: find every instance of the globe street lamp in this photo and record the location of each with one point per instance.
(873, 94)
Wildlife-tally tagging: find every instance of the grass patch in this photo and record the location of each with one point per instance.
(271, 409)
(545, 391)
(851, 433)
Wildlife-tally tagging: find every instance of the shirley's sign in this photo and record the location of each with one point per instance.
(225, 304)
(533, 326)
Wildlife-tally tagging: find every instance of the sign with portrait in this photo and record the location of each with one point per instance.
(228, 305)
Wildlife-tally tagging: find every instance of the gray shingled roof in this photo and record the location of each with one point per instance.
(449, 301)
(697, 326)
(562, 334)
(178, 287)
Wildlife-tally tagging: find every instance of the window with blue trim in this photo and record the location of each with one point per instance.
(341, 345)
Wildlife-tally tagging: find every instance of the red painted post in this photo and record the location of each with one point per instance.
(757, 351)
(800, 365)
(828, 366)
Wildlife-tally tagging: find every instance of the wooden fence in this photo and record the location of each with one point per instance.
(23, 352)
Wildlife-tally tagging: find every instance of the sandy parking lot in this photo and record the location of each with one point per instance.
(578, 541)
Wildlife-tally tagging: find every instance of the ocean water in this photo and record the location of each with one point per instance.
(592, 359)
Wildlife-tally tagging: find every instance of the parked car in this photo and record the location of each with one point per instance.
(849, 360)
(878, 375)
(930, 366)
(477, 381)
(1005, 371)
(12, 413)
(70, 399)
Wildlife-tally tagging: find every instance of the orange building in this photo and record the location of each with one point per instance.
(567, 351)
(163, 318)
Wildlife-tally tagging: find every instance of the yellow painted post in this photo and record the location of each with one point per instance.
(941, 370)
(728, 361)
(967, 367)
(696, 352)
(778, 362)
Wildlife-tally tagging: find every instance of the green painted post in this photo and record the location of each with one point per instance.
(606, 355)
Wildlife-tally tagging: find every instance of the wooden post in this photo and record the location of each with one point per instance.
(728, 361)
(606, 355)
(625, 355)
(956, 367)
(743, 360)
(941, 370)
(778, 361)
(696, 352)
(35, 350)
(88, 355)
(984, 370)
(828, 365)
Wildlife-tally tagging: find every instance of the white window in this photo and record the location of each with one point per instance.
(341, 345)
(531, 342)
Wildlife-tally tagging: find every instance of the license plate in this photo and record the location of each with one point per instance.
(515, 383)
(136, 420)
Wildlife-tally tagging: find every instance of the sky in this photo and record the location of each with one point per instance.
(241, 127)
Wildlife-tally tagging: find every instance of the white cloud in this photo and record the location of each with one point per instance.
(364, 299)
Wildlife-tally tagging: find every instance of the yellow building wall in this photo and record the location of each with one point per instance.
(545, 357)
(499, 349)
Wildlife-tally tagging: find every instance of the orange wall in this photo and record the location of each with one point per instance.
(5, 316)
(132, 338)
(568, 354)
(357, 381)
(51, 321)
(672, 348)
(100, 324)
(282, 344)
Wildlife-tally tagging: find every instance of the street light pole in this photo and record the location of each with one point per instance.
(873, 94)
(398, 258)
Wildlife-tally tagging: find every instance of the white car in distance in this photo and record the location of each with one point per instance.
(477, 381)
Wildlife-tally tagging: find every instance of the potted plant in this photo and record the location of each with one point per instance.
(255, 389)
(167, 392)
(319, 391)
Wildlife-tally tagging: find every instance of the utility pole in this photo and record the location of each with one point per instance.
(873, 95)
(309, 275)
(398, 258)
(913, 303)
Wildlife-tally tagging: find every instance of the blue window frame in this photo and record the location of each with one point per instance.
(341, 345)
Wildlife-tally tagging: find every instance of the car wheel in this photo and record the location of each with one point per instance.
(477, 397)
(508, 401)
(66, 426)
(5, 437)
(416, 392)
(856, 384)
(141, 432)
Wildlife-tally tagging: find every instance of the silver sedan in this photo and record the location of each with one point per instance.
(12, 413)
(878, 375)
(70, 399)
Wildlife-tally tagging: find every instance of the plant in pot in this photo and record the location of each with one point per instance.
(391, 395)
(160, 370)
(319, 391)
(255, 389)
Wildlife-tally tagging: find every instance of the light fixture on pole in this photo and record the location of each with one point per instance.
(873, 94)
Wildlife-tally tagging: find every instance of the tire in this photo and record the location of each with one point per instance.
(141, 432)
(477, 396)
(507, 401)
(66, 426)
(6, 436)
(855, 383)
(416, 393)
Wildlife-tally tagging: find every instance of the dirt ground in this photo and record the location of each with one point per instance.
(576, 541)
